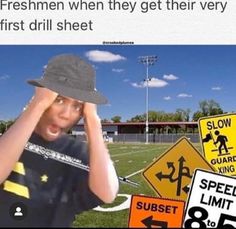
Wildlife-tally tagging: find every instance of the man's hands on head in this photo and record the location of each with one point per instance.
(103, 179)
(22, 129)
(91, 117)
(44, 97)
(90, 110)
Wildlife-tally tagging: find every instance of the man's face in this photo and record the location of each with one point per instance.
(59, 117)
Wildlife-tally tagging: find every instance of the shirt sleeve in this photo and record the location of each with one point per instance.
(84, 198)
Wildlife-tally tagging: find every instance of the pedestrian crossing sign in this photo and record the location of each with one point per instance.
(217, 136)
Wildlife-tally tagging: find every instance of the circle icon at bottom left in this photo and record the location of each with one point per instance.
(18, 211)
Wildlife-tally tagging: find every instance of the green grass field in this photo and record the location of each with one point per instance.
(128, 159)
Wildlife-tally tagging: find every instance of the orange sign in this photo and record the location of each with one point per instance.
(170, 175)
(155, 212)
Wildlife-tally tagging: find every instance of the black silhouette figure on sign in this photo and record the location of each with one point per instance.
(222, 139)
(183, 171)
(207, 138)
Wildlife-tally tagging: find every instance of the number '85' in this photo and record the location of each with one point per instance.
(199, 220)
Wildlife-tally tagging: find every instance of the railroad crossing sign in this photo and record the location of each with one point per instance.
(211, 202)
(155, 212)
(170, 175)
(217, 134)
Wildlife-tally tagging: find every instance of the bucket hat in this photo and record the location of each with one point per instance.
(70, 76)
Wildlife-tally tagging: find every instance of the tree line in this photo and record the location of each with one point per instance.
(206, 108)
(4, 125)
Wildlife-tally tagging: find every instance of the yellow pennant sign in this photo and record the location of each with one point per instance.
(218, 139)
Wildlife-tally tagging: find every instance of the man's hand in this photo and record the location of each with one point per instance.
(90, 118)
(22, 129)
(44, 97)
(90, 110)
(103, 179)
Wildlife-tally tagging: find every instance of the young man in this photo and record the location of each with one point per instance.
(40, 186)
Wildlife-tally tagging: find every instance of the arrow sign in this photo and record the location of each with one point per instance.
(149, 222)
(171, 173)
(153, 212)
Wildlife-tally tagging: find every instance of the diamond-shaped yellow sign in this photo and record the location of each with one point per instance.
(218, 138)
(170, 175)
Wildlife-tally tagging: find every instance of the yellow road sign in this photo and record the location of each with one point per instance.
(170, 175)
(218, 139)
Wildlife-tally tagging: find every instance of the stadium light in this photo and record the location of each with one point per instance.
(148, 61)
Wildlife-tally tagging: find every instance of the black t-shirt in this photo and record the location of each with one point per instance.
(52, 191)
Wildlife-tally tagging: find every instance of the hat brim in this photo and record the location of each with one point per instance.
(85, 96)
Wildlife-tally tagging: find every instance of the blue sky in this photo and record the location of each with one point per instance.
(182, 76)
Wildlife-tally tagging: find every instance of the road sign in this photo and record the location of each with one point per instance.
(155, 212)
(170, 175)
(211, 202)
(217, 134)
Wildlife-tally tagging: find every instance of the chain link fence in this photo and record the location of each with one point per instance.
(152, 138)
(141, 138)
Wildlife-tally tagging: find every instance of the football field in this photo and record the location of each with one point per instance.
(130, 160)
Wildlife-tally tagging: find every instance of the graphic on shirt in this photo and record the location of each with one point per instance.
(15, 182)
(40, 183)
(217, 134)
(44, 178)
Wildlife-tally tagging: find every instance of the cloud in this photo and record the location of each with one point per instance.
(170, 77)
(103, 56)
(126, 80)
(118, 70)
(184, 95)
(167, 98)
(95, 67)
(137, 85)
(216, 88)
(154, 82)
(4, 77)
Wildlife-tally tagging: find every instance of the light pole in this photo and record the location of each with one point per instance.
(148, 61)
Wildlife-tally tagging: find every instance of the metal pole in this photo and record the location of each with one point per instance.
(147, 60)
(147, 79)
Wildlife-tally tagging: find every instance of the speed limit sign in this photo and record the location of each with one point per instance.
(211, 202)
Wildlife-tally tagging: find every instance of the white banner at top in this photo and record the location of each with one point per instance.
(117, 22)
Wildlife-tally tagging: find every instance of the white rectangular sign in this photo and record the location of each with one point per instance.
(211, 202)
(117, 22)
